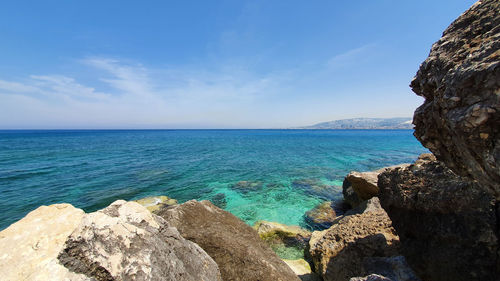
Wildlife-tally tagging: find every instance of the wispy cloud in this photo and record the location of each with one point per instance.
(349, 57)
(140, 96)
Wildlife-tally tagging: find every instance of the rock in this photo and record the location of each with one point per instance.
(394, 268)
(338, 253)
(460, 81)
(29, 247)
(287, 241)
(371, 277)
(154, 203)
(303, 270)
(127, 242)
(361, 186)
(245, 186)
(219, 200)
(235, 246)
(447, 223)
(321, 216)
(316, 188)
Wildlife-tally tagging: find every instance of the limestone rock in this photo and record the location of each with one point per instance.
(447, 224)
(303, 270)
(361, 186)
(235, 246)
(29, 247)
(155, 203)
(460, 81)
(321, 216)
(127, 242)
(338, 253)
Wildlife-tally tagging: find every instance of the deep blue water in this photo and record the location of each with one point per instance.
(288, 171)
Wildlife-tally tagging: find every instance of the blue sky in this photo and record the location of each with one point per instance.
(212, 64)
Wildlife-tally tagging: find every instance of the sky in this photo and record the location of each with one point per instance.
(212, 64)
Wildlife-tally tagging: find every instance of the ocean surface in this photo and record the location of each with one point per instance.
(274, 175)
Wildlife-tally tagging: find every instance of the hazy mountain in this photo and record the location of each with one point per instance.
(365, 123)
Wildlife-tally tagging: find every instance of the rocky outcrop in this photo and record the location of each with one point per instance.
(446, 223)
(121, 242)
(29, 247)
(235, 246)
(340, 252)
(460, 81)
(127, 242)
(361, 186)
(155, 203)
(321, 216)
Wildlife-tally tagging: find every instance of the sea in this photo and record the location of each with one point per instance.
(273, 175)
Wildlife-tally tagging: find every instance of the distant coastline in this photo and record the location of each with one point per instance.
(363, 124)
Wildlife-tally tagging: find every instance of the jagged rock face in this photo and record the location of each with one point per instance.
(235, 246)
(339, 253)
(125, 241)
(460, 81)
(446, 223)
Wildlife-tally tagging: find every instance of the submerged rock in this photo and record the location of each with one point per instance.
(340, 252)
(316, 188)
(288, 241)
(447, 223)
(29, 247)
(235, 246)
(303, 270)
(155, 203)
(219, 200)
(321, 216)
(245, 186)
(460, 81)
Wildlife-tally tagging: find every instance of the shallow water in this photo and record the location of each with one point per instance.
(281, 173)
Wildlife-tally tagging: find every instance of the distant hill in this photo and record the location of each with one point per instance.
(364, 123)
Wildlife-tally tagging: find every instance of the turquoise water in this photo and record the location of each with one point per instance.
(274, 175)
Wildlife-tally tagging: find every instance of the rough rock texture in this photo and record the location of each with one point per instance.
(235, 246)
(447, 224)
(460, 81)
(321, 216)
(29, 247)
(155, 203)
(371, 277)
(303, 270)
(361, 186)
(127, 242)
(267, 229)
(340, 252)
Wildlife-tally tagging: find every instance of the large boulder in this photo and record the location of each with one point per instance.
(446, 223)
(125, 241)
(340, 252)
(460, 81)
(234, 245)
(29, 247)
(361, 186)
(121, 242)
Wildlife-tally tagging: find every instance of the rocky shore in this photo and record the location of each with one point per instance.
(435, 219)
